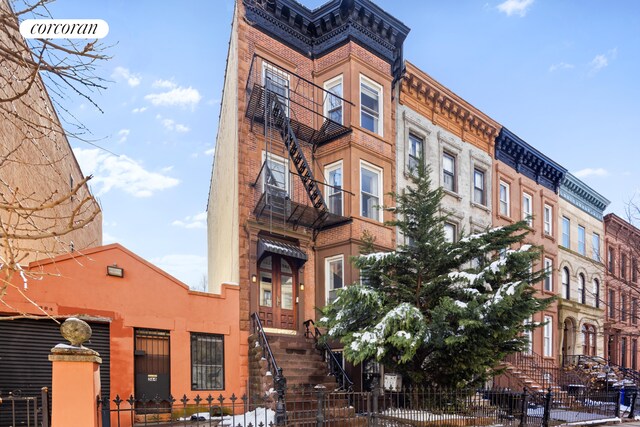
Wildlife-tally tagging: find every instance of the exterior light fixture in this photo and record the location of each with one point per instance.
(254, 278)
(115, 271)
(302, 286)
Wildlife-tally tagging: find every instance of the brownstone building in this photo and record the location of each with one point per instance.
(622, 243)
(305, 154)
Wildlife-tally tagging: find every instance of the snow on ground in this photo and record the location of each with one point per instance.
(253, 418)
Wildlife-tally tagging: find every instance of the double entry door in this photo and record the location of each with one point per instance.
(277, 277)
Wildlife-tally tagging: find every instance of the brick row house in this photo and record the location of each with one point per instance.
(320, 118)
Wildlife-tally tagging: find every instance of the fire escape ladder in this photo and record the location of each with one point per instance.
(282, 123)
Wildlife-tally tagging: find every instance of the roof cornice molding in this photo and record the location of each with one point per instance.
(525, 159)
(613, 224)
(582, 196)
(442, 101)
(319, 31)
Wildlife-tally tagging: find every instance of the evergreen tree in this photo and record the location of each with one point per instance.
(439, 313)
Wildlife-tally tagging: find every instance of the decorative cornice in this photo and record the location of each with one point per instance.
(618, 227)
(443, 102)
(525, 159)
(319, 31)
(582, 196)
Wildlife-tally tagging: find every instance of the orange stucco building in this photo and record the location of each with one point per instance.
(157, 329)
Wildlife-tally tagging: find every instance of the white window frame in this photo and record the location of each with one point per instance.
(565, 278)
(596, 292)
(328, 85)
(547, 340)
(279, 72)
(413, 136)
(529, 335)
(506, 202)
(548, 281)
(548, 219)
(379, 171)
(483, 173)
(275, 158)
(595, 247)
(327, 274)
(330, 191)
(582, 244)
(454, 174)
(582, 289)
(566, 225)
(376, 87)
(527, 215)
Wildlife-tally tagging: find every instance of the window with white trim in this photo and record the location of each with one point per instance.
(527, 208)
(478, 187)
(505, 207)
(370, 191)
(333, 99)
(595, 247)
(548, 337)
(566, 230)
(449, 232)
(277, 81)
(275, 174)
(548, 280)
(333, 276)
(416, 145)
(548, 220)
(582, 247)
(370, 105)
(448, 171)
(333, 175)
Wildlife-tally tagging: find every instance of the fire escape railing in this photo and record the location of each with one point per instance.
(335, 367)
(317, 116)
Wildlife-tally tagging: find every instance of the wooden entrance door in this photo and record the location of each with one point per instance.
(277, 277)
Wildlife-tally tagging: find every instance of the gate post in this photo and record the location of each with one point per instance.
(524, 407)
(547, 408)
(76, 378)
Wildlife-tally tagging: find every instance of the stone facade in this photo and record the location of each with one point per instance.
(467, 137)
(579, 276)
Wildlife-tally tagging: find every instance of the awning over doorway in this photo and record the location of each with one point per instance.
(280, 248)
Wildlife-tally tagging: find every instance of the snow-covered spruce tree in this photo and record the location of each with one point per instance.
(442, 314)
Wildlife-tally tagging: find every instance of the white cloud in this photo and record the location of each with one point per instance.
(123, 134)
(121, 173)
(583, 173)
(121, 73)
(178, 96)
(602, 60)
(165, 84)
(139, 110)
(560, 66)
(170, 124)
(515, 7)
(190, 269)
(108, 238)
(195, 221)
(210, 151)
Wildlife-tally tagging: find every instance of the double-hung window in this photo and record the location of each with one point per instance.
(582, 290)
(582, 248)
(478, 187)
(448, 172)
(505, 207)
(596, 293)
(333, 100)
(370, 191)
(207, 362)
(595, 247)
(623, 266)
(548, 220)
(566, 225)
(370, 105)
(276, 81)
(548, 280)
(333, 175)
(334, 276)
(449, 232)
(527, 208)
(611, 260)
(416, 145)
(566, 284)
(612, 304)
(548, 336)
(275, 175)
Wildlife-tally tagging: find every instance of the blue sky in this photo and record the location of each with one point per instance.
(560, 74)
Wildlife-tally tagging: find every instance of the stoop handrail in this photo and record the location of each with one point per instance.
(334, 364)
(264, 343)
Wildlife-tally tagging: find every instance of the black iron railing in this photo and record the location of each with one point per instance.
(335, 365)
(317, 115)
(610, 372)
(28, 411)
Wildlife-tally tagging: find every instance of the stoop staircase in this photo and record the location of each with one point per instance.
(304, 367)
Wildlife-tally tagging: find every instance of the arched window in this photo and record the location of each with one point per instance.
(588, 339)
(582, 290)
(566, 289)
(596, 293)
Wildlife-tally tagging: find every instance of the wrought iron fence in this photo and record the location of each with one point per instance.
(306, 406)
(28, 411)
